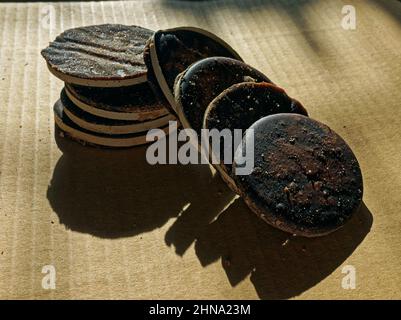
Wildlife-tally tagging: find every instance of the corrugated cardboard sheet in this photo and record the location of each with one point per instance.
(115, 227)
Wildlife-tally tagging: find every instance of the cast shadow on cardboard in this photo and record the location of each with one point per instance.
(116, 193)
(294, 9)
(281, 266)
(392, 8)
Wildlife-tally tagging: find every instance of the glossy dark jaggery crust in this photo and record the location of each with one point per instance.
(241, 105)
(306, 179)
(176, 49)
(130, 99)
(205, 80)
(99, 52)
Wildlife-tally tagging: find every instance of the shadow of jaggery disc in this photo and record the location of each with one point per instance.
(117, 193)
(281, 266)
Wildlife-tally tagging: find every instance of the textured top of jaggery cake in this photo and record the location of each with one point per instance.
(177, 49)
(306, 180)
(241, 105)
(206, 79)
(170, 52)
(99, 52)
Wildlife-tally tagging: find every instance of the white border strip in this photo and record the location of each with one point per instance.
(118, 129)
(111, 83)
(103, 141)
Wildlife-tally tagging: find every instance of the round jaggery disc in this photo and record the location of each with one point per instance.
(306, 179)
(93, 123)
(107, 55)
(241, 105)
(170, 52)
(206, 79)
(136, 102)
(86, 137)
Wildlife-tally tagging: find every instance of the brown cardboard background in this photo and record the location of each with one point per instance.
(114, 227)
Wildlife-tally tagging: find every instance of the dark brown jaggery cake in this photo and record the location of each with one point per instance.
(136, 102)
(170, 52)
(83, 136)
(306, 179)
(241, 105)
(94, 123)
(197, 86)
(107, 55)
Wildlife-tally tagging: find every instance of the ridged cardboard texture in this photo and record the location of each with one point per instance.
(113, 226)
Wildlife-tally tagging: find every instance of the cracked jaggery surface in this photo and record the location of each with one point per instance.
(306, 179)
(99, 52)
(241, 105)
(206, 79)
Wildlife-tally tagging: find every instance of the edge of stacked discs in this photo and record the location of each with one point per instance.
(107, 100)
(86, 137)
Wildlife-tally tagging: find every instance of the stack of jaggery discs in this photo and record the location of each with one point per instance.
(305, 179)
(124, 80)
(107, 100)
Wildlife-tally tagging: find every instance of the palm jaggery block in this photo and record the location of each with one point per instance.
(170, 52)
(107, 55)
(205, 80)
(306, 180)
(241, 105)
